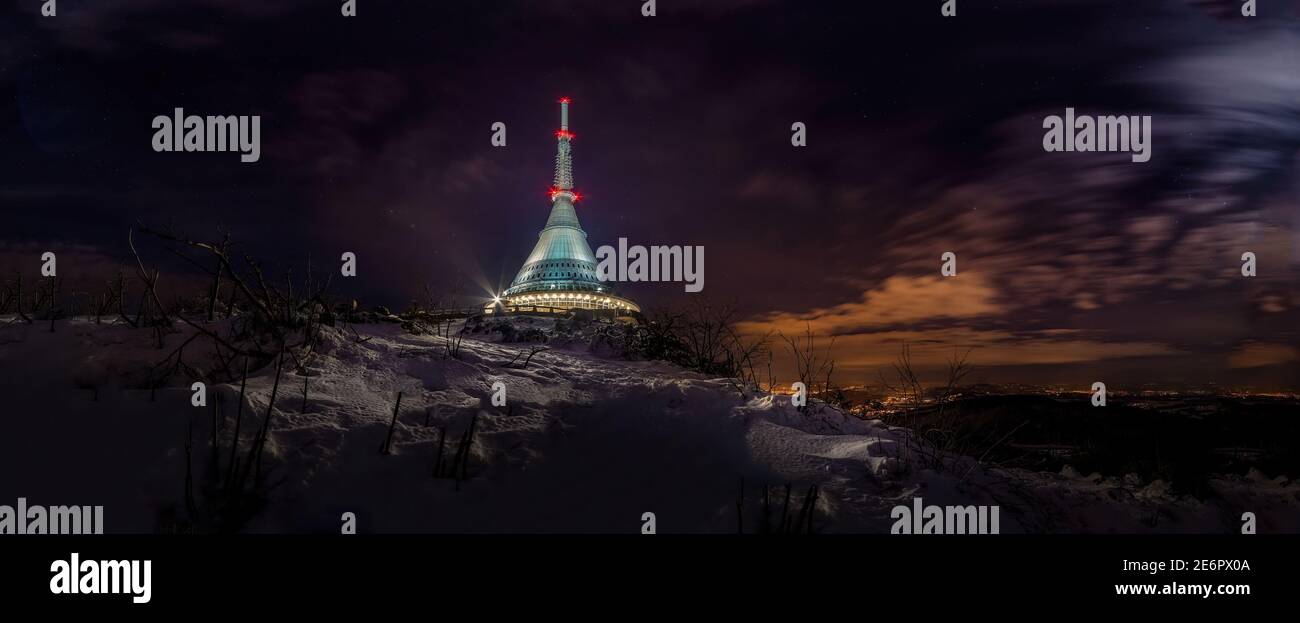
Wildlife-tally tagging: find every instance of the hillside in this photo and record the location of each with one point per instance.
(585, 443)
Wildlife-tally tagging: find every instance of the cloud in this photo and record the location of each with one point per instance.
(1258, 354)
(936, 317)
(898, 301)
(335, 113)
(100, 27)
(1271, 303)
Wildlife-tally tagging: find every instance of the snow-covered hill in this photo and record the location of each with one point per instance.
(585, 443)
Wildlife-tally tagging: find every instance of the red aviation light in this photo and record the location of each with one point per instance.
(565, 100)
(575, 195)
(564, 134)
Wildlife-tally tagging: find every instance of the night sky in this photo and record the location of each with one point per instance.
(924, 136)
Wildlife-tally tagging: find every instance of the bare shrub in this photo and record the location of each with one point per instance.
(812, 364)
(701, 337)
(930, 418)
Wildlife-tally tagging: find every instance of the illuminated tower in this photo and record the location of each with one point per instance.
(560, 273)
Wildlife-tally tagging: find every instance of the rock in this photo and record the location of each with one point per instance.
(417, 327)
(1157, 489)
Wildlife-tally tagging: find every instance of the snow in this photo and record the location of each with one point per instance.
(587, 443)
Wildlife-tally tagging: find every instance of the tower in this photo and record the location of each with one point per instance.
(560, 273)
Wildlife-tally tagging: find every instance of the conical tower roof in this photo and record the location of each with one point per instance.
(561, 260)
